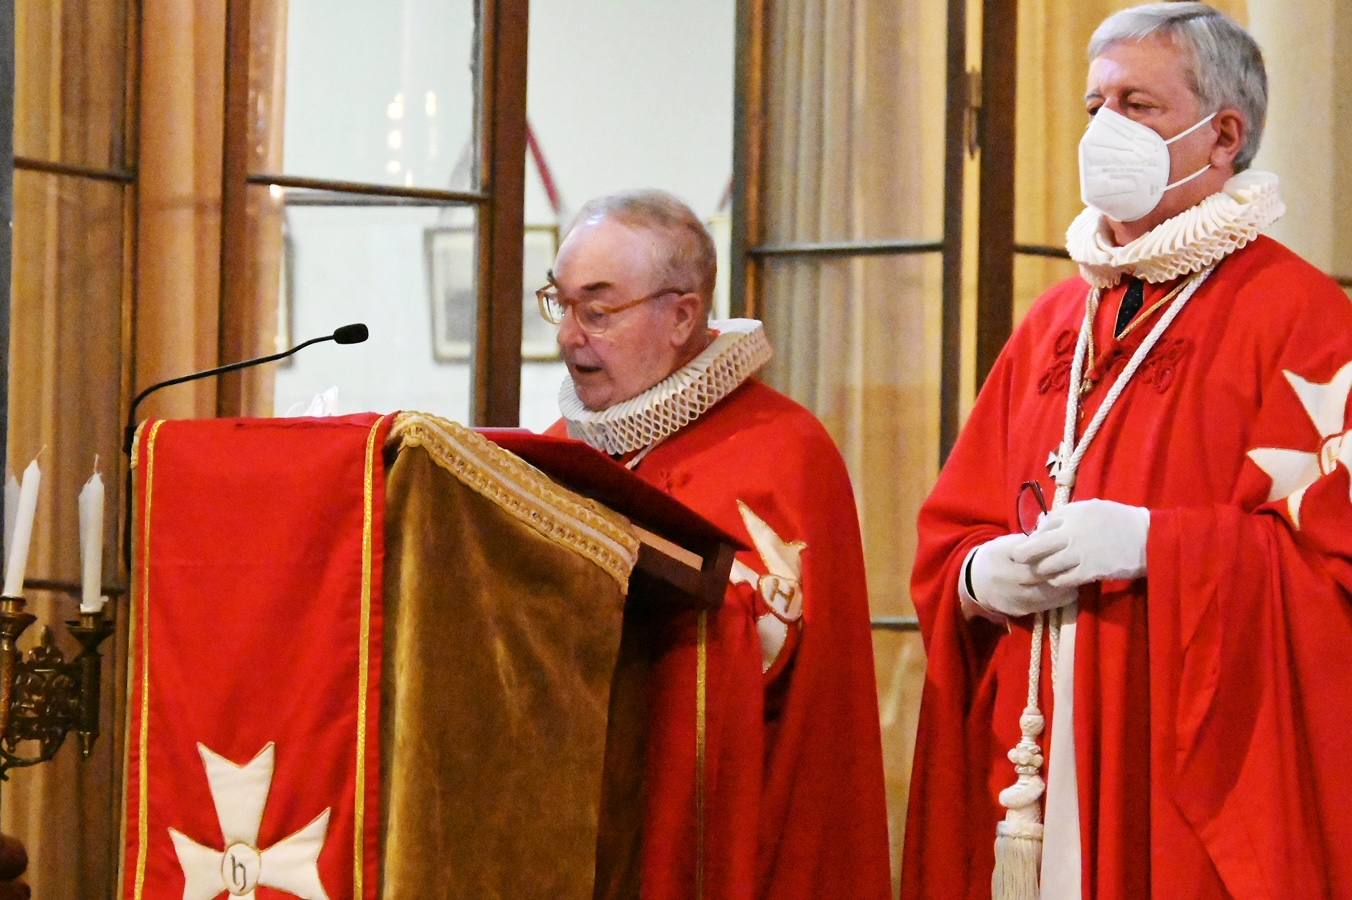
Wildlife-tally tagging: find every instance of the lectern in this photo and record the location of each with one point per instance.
(391, 656)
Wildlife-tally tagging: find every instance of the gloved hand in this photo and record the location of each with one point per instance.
(1088, 540)
(1000, 584)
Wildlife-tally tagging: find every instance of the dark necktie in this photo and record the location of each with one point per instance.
(1131, 304)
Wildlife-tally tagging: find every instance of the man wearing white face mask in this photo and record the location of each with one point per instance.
(1135, 573)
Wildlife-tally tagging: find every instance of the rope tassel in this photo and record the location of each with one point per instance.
(1017, 857)
(1018, 839)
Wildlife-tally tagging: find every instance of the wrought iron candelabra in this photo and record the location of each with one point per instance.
(44, 696)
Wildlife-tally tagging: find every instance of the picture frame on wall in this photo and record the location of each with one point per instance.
(538, 337)
(286, 294)
(452, 263)
(451, 259)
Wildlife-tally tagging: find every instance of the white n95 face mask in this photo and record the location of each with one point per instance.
(1124, 165)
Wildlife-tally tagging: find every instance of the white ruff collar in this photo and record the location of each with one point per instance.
(1190, 241)
(737, 353)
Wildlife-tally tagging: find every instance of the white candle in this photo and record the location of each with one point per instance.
(25, 511)
(11, 510)
(91, 543)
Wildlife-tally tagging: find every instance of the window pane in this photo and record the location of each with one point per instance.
(899, 658)
(65, 364)
(409, 273)
(66, 353)
(1308, 128)
(854, 130)
(629, 107)
(373, 92)
(541, 369)
(1032, 276)
(857, 342)
(1049, 120)
(603, 123)
(69, 75)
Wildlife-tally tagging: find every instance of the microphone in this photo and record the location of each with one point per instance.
(347, 334)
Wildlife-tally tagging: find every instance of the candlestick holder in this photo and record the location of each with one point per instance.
(44, 696)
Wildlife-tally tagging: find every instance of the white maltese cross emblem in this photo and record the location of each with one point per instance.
(240, 794)
(1292, 471)
(780, 586)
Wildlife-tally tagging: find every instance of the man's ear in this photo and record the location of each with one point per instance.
(1231, 133)
(688, 317)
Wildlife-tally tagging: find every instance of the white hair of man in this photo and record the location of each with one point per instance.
(1227, 65)
(687, 260)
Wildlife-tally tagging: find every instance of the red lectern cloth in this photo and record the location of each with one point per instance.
(255, 650)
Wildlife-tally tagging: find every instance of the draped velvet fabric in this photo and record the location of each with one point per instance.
(500, 649)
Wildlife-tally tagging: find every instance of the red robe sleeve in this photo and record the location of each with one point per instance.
(1250, 623)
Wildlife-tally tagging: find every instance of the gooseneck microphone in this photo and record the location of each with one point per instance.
(347, 334)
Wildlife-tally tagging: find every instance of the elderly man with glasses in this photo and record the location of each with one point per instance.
(764, 769)
(1166, 641)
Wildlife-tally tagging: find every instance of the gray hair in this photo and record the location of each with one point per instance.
(1227, 66)
(688, 260)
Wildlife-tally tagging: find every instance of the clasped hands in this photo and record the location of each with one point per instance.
(1078, 543)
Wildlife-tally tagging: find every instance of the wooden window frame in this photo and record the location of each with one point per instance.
(748, 174)
(496, 359)
(749, 250)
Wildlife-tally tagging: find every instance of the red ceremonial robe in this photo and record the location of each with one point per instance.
(1213, 724)
(792, 800)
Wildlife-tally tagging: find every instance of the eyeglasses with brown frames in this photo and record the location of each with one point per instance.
(592, 316)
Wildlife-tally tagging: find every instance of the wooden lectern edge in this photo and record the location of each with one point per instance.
(688, 577)
(690, 571)
(669, 548)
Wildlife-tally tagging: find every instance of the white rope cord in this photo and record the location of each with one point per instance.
(1069, 461)
(1035, 662)
(1023, 818)
(1053, 638)
(640, 455)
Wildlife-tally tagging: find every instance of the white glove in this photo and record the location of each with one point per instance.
(1089, 540)
(1006, 587)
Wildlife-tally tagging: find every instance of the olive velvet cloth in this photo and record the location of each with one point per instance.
(502, 679)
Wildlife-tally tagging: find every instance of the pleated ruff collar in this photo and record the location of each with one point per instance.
(1187, 243)
(739, 351)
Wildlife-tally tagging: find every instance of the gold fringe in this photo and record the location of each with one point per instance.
(136, 442)
(701, 700)
(563, 517)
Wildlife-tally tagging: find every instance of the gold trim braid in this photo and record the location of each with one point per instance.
(364, 661)
(136, 442)
(143, 766)
(701, 696)
(573, 522)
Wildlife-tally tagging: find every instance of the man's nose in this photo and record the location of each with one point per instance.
(570, 334)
